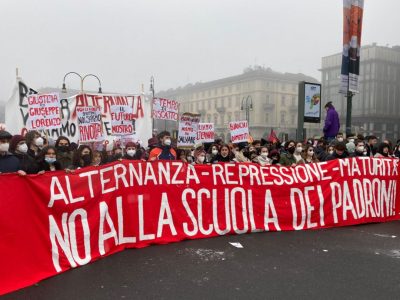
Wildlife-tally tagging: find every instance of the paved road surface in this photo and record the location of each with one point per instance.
(358, 262)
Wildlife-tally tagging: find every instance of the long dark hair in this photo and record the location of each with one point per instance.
(76, 159)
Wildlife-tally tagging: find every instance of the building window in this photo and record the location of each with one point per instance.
(222, 119)
(283, 101)
(215, 119)
(237, 101)
(229, 117)
(293, 117)
(266, 118)
(267, 99)
(283, 117)
(209, 104)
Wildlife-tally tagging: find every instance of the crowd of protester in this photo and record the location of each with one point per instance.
(34, 154)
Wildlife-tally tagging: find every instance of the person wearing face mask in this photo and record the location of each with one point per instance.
(34, 142)
(47, 160)
(263, 158)
(8, 162)
(339, 153)
(132, 152)
(298, 153)
(83, 157)
(241, 155)
(287, 159)
(309, 155)
(19, 148)
(98, 158)
(359, 150)
(64, 154)
(383, 150)
(224, 156)
(274, 156)
(163, 151)
(371, 145)
(339, 139)
(213, 151)
(199, 157)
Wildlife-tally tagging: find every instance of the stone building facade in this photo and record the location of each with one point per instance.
(376, 108)
(273, 97)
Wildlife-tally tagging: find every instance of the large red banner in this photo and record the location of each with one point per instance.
(56, 221)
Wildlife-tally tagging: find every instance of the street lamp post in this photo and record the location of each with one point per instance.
(152, 92)
(247, 105)
(349, 112)
(82, 78)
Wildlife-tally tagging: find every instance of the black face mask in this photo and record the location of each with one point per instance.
(86, 159)
(275, 160)
(291, 150)
(117, 155)
(63, 148)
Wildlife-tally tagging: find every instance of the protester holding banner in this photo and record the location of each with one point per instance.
(298, 153)
(274, 156)
(240, 153)
(383, 150)
(8, 162)
(309, 155)
(47, 160)
(163, 151)
(64, 154)
(212, 152)
(98, 158)
(132, 151)
(116, 154)
(199, 156)
(19, 148)
(371, 145)
(287, 159)
(225, 155)
(339, 153)
(82, 158)
(263, 159)
(35, 143)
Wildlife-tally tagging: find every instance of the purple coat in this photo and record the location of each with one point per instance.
(332, 124)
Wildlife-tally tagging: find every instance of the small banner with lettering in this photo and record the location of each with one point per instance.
(239, 131)
(187, 133)
(53, 222)
(44, 111)
(165, 109)
(89, 123)
(122, 120)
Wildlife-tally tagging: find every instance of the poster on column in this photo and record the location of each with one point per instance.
(17, 112)
(89, 124)
(205, 133)
(44, 111)
(122, 120)
(352, 28)
(165, 109)
(187, 134)
(239, 131)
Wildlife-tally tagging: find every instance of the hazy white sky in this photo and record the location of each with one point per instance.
(124, 42)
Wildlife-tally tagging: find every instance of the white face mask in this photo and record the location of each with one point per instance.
(264, 154)
(214, 152)
(299, 149)
(4, 147)
(331, 152)
(39, 142)
(131, 153)
(167, 142)
(360, 149)
(201, 159)
(22, 148)
(340, 139)
(351, 140)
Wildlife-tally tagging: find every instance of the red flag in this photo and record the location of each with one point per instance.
(272, 137)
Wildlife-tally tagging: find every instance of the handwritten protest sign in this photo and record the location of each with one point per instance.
(89, 122)
(187, 133)
(239, 131)
(44, 111)
(165, 109)
(122, 120)
(205, 133)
